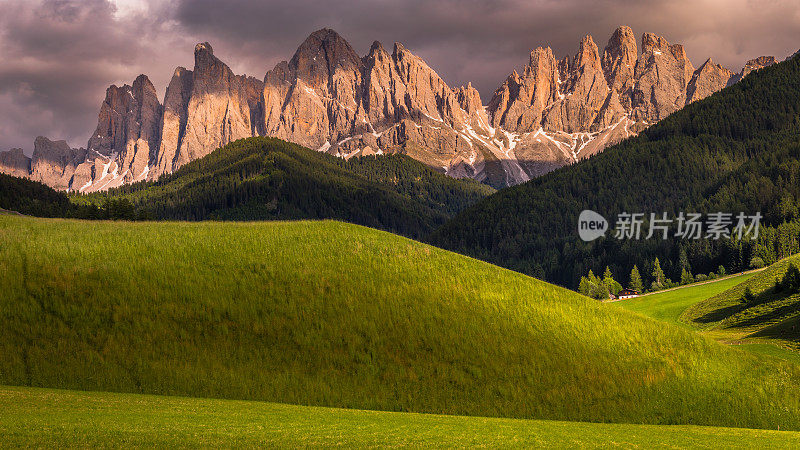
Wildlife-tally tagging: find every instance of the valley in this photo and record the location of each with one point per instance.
(360, 247)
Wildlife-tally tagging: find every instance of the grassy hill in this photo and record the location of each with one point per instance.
(735, 151)
(332, 314)
(771, 315)
(31, 417)
(267, 179)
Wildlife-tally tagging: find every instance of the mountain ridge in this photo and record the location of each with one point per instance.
(328, 98)
(733, 152)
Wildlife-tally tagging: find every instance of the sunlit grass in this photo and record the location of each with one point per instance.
(669, 305)
(331, 314)
(33, 417)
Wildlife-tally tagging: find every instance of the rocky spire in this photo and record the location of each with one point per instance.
(218, 110)
(586, 93)
(706, 80)
(174, 118)
(128, 127)
(15, 163)
(619, 60)
(468, 98)
(663, 73)
(519, 103)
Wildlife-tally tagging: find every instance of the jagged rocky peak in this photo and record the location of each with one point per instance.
(427, 93)
(128, 128)
(321, 55)
(587, 53)
(587, 92)
(173, 123)
(54, 162)
(757, 63)
(619, 59)
(468, 98)
(519, 103)
(662, 75)
(203, 51)
(208, 68)
(316, 96)
(15, 162)
(219, 109)
(652, 43)
(541, 61)
(707, 79)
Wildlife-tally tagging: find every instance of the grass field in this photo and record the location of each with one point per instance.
(32, 417)
(668, 306)
(772, 318)
(331, 314)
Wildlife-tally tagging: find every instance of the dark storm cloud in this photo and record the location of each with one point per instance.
(479, 41)
(59, 56)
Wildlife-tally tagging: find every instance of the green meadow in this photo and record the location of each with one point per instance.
(332, 314)
(671, 306)
(771, 316)
(33, 417)
(668, 306)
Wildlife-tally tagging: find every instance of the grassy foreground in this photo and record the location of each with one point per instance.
(33, 417)
(331, 314)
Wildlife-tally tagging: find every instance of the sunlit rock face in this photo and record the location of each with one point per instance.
(553, 112)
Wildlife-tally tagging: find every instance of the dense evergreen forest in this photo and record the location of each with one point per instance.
(36, 199)
(266, 178)
(736, 151)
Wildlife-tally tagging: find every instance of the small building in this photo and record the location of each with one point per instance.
(627, 293)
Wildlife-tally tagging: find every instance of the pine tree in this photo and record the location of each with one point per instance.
(584, 287)
(686, 277)
(636, 280)
(610, 283)
(658, 274)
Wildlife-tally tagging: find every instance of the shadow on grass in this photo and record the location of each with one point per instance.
(788, 330)
(720, 314)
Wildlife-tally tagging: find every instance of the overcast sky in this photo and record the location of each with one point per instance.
(57, 57)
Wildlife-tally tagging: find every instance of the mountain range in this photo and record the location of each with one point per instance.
(737, 151)
(328, 98)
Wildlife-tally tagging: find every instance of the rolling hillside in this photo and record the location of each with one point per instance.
(31, 417)
(332, 314)
(267, 179)
(735, 151)
(754, 310)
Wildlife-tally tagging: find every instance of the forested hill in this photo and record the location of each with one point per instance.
(736, 151)
(36, 199)
(267, 178)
